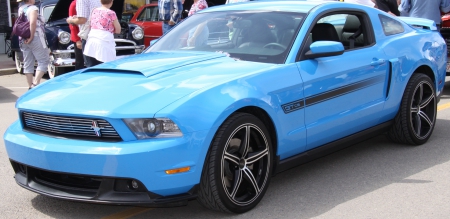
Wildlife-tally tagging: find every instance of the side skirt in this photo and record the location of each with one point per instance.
(288, 163)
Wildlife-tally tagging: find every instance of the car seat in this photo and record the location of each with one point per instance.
(352, 29)
(324, 32)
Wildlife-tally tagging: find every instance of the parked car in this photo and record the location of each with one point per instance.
(62, 56)
(263, 87)
(147, 17)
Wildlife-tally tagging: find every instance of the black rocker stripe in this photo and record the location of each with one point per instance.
(318, 98)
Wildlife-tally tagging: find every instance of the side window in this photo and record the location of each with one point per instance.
(390, 26)
(349, 29)
(149, 14)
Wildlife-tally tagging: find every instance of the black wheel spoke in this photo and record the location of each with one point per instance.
(256, 156)
(425, 117)
(418, 124)
(248, 175)
(231, 158)
(236, 182)
(427, 101)
(245, 143)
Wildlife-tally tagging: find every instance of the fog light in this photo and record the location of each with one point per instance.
(178, 170)
(134, 184)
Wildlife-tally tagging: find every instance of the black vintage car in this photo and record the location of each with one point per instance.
(62, 58)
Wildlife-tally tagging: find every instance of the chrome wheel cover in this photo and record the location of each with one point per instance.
(423, 110)
(245, 164)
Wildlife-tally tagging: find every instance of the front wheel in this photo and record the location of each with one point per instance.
(238, 166)
(416, 118)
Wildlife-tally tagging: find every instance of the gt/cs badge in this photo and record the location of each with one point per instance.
(292, 106)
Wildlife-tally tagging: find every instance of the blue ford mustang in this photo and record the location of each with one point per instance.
(231, 96)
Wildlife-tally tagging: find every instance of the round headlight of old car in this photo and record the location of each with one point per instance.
(64, 37)
(137, 33)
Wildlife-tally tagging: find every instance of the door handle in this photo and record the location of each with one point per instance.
(377, 62)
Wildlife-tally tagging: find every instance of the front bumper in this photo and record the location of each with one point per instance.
(63, 58)
(94, 189)
(111, 166)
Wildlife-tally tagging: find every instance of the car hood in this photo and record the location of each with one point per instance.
(61, 10)
(136, 86)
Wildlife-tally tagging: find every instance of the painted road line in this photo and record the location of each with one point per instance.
(444, 106)
(127, 213)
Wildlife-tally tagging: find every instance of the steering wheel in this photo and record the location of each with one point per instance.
(275, 46)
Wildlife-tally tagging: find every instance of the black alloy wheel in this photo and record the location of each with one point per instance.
(416, 118)
(238, 166)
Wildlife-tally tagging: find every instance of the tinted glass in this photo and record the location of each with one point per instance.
(256, 36)
(149, 14)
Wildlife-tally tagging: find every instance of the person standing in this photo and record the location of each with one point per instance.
(170, 13)
(100, 44)
(79, 60)
(84, 9)
(430, 9)
(389, 6)
(35, 47)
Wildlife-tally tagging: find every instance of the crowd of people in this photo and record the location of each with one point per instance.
(99, 45)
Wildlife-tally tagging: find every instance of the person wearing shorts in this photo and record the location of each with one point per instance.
(34, 48)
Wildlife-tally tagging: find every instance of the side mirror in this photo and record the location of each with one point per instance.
(324, 49)
(153, 42)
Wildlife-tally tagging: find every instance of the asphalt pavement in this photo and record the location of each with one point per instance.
(7, 65)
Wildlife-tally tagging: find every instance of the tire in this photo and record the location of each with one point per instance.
(415, 121)
(18, 58)
(236, 175)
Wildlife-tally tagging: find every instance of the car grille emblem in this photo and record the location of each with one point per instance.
(96, 128)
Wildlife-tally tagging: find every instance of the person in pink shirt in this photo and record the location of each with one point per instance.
(100, 43)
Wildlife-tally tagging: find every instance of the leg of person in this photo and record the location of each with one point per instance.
(79, 59)
(28, 63)
(166, 27)
(86, 58)
(40, 53)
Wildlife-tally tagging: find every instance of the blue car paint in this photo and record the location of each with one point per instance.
(326, 46)
(179, 90)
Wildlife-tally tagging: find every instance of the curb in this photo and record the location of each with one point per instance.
(8, 71)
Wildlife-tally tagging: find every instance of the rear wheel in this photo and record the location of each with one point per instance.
(237, 169)
(416, 118)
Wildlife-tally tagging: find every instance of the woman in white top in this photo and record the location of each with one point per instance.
(35, 47)
(100, 43)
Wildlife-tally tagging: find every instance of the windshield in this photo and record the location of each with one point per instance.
(249, 36)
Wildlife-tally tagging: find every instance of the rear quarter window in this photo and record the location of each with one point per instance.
(391, 26)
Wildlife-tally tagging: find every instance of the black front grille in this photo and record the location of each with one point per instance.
(66, 180)
(125, 48)
(70, 127)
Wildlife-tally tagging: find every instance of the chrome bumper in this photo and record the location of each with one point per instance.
(57, 60)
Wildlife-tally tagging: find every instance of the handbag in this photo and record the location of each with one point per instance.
(22, 26)
(86, 28)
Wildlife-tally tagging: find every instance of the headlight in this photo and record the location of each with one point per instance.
(137, 33)
(153, 128)
(64, 37)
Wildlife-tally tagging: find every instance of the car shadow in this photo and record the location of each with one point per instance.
(308, 190)
(7, 96)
